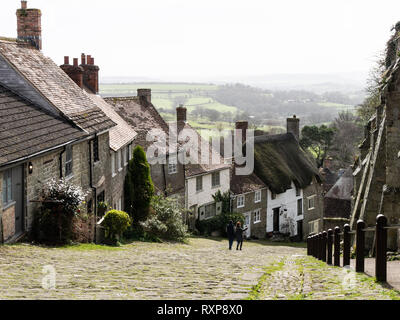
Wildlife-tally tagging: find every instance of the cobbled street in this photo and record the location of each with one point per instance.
(202, 269)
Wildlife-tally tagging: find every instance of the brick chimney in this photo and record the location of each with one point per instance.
(242, 126)
(90, 73)
(29, 25)
(181, 113)
(75, 72)
(144, 94)
(293, 126)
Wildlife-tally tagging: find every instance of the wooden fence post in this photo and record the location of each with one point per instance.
(346, 245)
(324, 242)
(336, 245)
(360, 246)
(329, 244)
(381, 244)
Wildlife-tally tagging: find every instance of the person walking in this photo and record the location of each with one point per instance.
(230, 230)
(239, 235)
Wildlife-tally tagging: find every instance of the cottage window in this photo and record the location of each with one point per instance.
(257, 216)
(113, 163)
(273, 195)
(126, 155)
(210, 210)
(121, 158)
(7, 187)
(257, 196)
(240, 201)
(172, 168)
(68, 161)
(298, 192)
(313, 226)
(215, 179)
(311, 202)
(199, 183)
(96, 149)
(130, 151)
(299, 207)
(119, 164)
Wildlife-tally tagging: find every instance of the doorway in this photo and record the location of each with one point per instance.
(276, 219)
(300, 230)
(18, 197)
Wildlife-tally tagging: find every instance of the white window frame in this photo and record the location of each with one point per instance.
(130, 151)
(201, 179)
(7, 188)
(257, 196)
(257, 216)
(240, 201)
(215, 174)
(125, 156)
(311, 198)
(69, 161)
(119, 160)
(114, 173)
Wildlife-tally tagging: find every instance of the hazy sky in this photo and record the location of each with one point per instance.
(172, 39)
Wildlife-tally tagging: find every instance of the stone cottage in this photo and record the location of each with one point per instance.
(121, 136)
(50, 128)
(376, 172)
(168, 175)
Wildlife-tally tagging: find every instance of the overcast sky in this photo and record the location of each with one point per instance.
(192, 39)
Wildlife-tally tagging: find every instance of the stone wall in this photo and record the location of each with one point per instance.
(314, 214)
(84, 229)
(1, 206)
(257, 229)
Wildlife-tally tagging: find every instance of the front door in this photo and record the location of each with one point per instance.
(276, 219)
(247, 221)
(18, 197)
(300, 229)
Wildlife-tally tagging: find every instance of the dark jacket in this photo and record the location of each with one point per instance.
(239, 233)
(230, 230)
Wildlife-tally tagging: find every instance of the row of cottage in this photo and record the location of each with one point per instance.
(54, 124)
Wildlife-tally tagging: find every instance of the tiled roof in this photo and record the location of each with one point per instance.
(55, 85)
(122, 133)
(343, 187)
(141, 116)
(26, 129)
(241, 184)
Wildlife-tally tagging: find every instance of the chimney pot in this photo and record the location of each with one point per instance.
(75, 62)
(83, 59)
(24, 4)
(89, 59)
(66, 60)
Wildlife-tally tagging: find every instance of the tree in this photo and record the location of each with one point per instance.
(367, 109)
(347, 136)
(318, 139)
(138, 186)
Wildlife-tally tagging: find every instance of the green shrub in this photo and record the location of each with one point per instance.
(165, 220)
(138, 186)
(53, 221)
(116, 223)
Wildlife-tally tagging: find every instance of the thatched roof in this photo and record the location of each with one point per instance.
(279, 160)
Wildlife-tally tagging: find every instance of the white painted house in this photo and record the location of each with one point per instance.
(285, 211)
(203, 180)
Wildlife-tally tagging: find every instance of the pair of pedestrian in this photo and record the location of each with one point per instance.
(235, 233)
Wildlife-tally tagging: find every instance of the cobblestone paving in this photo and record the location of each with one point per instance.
(202, 269)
